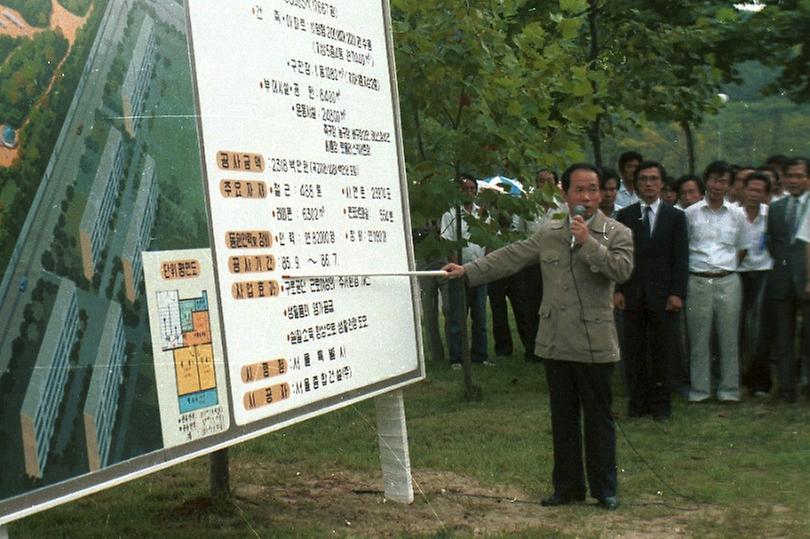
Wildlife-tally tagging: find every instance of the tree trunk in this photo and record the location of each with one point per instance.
(471, 391)
(595, 131)
(690, 145)
(595, 135)
(219, 475)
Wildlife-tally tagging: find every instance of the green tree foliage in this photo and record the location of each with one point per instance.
(654, 62)
(487, 87)
(748, 129)
(38, 138)
(777, 36)
(35, 12)
(7, 44)
(78, 7)
(27, 73)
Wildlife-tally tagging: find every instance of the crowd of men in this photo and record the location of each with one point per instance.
(719, 284)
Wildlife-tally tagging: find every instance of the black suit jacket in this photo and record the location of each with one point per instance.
(661, 267)
(787, 277)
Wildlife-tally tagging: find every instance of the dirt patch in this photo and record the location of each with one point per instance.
(7, 156)
(445, 503)
(67, 21)
(14, 25)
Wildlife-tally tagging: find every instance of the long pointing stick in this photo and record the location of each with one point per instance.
(437, 273)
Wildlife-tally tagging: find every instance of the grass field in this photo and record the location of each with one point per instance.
(479, 468)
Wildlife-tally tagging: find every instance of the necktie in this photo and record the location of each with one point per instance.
(647, 223)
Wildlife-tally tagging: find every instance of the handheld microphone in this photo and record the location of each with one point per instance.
(579, 209)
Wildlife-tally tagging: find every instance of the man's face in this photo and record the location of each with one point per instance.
(609, 195)
(583, 191)
(795, 180)
(755, 193)
(737, 191)
(669, 195)
(649, 183)
(689, 193)
(717, 186)
(629, 170)
(468, 190)
(544, 177)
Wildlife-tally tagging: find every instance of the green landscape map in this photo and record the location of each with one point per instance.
(99, 161)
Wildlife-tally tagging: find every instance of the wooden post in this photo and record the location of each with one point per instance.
(3, 532)
(395, 458)
(219, 475)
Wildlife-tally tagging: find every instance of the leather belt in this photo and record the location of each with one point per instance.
(710, 274)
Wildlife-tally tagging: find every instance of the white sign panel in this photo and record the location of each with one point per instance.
(300, 151)
(186, 344)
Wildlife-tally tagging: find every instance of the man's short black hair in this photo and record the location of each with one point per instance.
(566, 175)
(768, 169)
(691, 178)
(718, 168)
(625, 157)
(777, 161)
(793, 161)
(466, 176)
(736, 169)
(759, 176)
(650, 164)
(607, 175)
(550, 171)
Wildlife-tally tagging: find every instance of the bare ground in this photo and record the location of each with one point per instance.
(445, 504)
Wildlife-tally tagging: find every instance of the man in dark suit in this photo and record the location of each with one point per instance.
(654, 294)
(785, 289)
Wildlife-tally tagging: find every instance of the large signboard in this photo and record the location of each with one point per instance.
(302, 173)
(128, 340)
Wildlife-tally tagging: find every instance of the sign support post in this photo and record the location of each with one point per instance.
(395, 458)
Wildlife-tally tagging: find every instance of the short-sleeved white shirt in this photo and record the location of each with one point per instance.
(715, 236)
(472, 251)
(758, 257)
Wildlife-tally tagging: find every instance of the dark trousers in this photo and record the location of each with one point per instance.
(529, 286)
(475, 300)
(784, 313)
(757, 377)
(576, 390)
(650, 339)
(753, 284)
(498, 291)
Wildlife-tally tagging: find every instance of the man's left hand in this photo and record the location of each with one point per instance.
(674, 304)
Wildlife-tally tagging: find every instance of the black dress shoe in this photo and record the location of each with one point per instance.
(610, 503)
(556, 499)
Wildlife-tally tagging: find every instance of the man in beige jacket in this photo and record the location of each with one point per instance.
(581, 258)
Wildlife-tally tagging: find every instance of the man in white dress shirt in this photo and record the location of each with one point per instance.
(717, 243)
(754, 269)
(628, 164)
(476, 297)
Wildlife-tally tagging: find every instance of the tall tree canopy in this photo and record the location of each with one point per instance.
(488, 87)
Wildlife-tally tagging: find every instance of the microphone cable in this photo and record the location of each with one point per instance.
(644, 461)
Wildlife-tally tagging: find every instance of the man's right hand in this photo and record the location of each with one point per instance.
(618, 301)
(454, 271)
